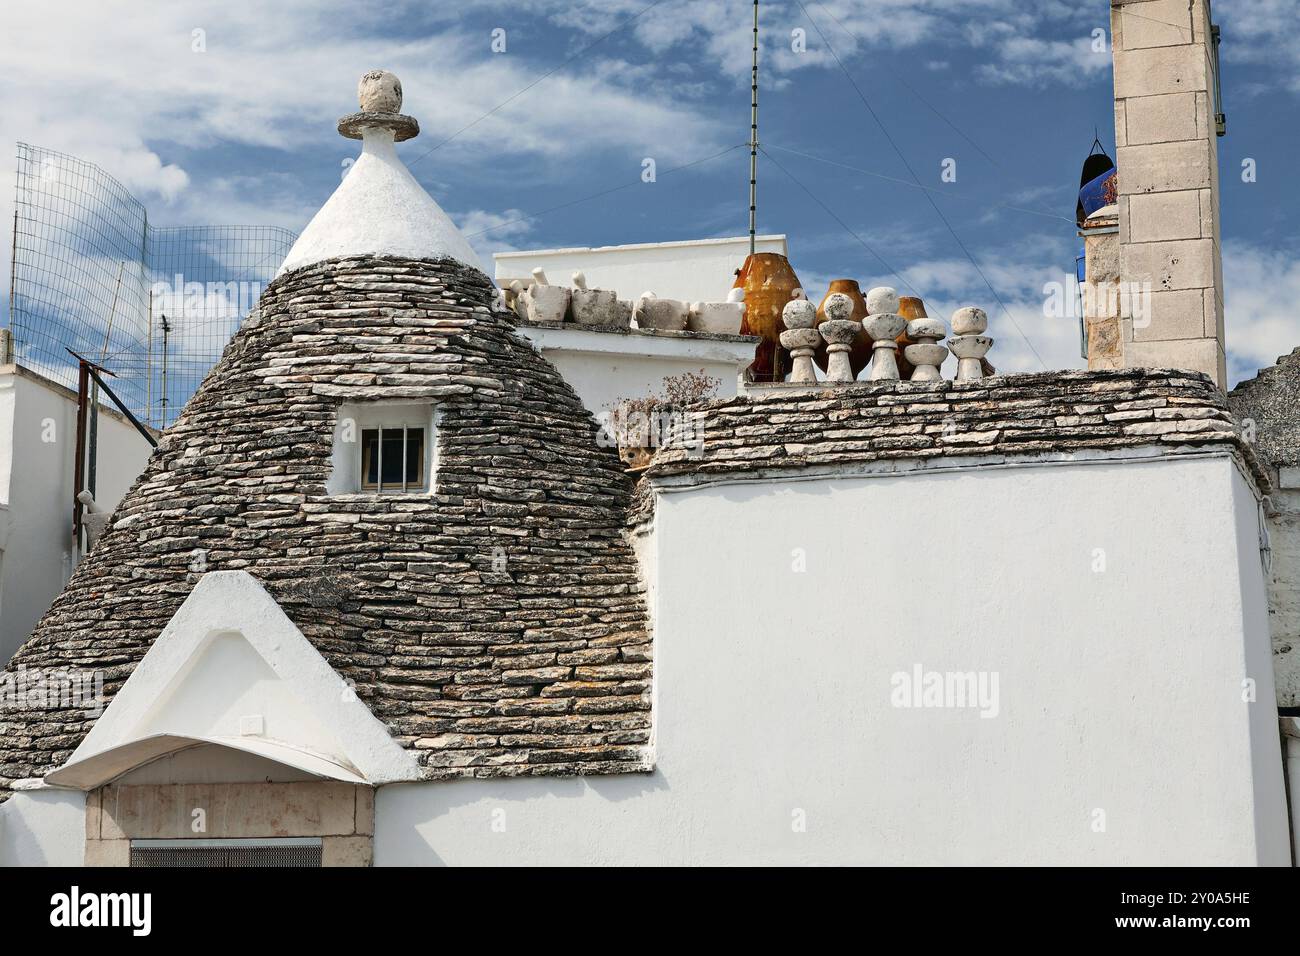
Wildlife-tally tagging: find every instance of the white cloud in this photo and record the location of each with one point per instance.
(492, 232)
(281, 80)
(1263, 32)
(1262, 286)
(1030, 60)
(122, 86)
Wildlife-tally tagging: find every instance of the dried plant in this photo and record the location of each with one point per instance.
(640, 424)
(689, 388)
(1110, 190)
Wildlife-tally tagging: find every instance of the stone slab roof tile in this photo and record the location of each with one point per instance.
(1270, 402)
(792, 427)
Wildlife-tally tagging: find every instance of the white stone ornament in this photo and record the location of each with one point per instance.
(970, 351)
(380, 95)
(546, 303)
(969, 320)
(968, 344)
(596, 307)
(925, 353)
(882, 299)
(838, 307)
(715, 318)
(839, 330)
(800, 339)
(379, 92)
(884, 328)
(667, 315)
(511, 293)
(802, 314)
(94, 519)
(802, 345)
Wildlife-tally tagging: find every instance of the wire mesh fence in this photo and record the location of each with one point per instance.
(155, 305)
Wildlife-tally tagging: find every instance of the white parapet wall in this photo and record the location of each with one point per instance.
(607, 365)
(38, 430)
(698, 270)
(1109, 612)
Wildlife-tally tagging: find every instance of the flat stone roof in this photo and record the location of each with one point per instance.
(781, 427)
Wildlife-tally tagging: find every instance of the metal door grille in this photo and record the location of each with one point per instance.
(226, 853)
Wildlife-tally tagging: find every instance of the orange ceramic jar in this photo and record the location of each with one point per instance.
(769, 283)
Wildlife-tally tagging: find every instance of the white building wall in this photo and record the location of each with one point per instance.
(38, 430)
(1120, 605)
(700, 270)
(606, 367)
(43, 828)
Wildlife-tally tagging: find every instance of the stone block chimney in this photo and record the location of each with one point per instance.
(1168, 268)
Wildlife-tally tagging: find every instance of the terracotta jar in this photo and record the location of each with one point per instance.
(769, 283)
(860, 351)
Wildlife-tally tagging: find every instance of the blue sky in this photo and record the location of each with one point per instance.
(243, 131)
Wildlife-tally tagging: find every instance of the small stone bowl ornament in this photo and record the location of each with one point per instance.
(717, 318)
(925, 353)
(544, 302)
(800, 339)
(595, 306)
(969, 343)
(839, 330)
(652, 312)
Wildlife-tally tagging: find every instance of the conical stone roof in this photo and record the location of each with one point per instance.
(496, 626)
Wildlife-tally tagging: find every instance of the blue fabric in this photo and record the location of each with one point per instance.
(1091, 194)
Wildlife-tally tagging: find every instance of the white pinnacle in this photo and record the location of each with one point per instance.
(379, 209)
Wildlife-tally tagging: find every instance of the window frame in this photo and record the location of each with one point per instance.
(377, 486)
(356, 420)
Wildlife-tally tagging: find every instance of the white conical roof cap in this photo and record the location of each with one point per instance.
(379, 208)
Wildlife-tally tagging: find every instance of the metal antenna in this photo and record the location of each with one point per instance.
(753, 142)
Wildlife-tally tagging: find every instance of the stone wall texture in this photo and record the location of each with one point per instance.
(497, 626)
(1268, 409)
(1168, 178)
(785, 427)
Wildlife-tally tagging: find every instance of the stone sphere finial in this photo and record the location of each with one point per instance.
(799, 314)
(838, 307)
(380, 95)
(379, 92)
(882, 298)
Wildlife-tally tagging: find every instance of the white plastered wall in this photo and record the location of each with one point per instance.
(701, 270)
(605, 368)
(36, 493)
(1120, 689)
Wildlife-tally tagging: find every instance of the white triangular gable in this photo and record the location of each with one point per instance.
(231, 667)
